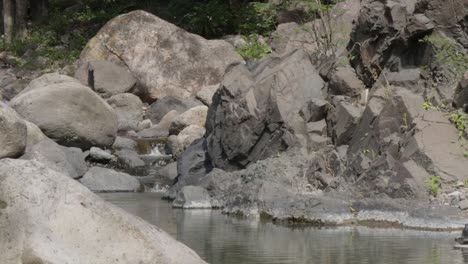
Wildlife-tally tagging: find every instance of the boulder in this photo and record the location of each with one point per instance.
(13, 133)
(391, 30)
(124, 143)
(34, 136)
(166, 175)
(192, 197)
(315, 110)
(461, 94)
(130, 162)
(194, 116)
(69, 113)
(99, 179)
(236, 41)
(291, 36)
(408, 78)
(167, 104)
(45, 223)
(68, 161)
(129, 110)
(257, 113)
(435, 147)
(344, 81)
(177, 144)
(345, 120)
(192, 166)
(105, 78)
(145, 124)
(99, 155)
(160, 130)
(319, 127)
(48, 79)
(176, 63)
(206, 94)
(153, 132)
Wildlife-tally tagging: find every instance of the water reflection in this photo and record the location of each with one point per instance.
(222, 239)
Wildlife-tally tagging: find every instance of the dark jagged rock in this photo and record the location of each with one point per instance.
(344, 120)
(387, 34)
(192, 166)
(256, 114)
(461, 94)
(344, 81)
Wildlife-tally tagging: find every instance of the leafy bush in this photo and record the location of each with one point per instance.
(258, 18)
(460, 121)
(210, 19)
(254, 50)
(434, 183)
(449, 56)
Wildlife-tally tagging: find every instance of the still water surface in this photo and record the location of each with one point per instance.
(218, 238)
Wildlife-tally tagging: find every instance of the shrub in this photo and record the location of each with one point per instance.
(460, 121)
(258, 18)
(434, 184)
(449, 56)
(254, 50)
(210, 19)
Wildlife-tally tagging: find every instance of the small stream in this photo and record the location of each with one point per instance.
(221, 239)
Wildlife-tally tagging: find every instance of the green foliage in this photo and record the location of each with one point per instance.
(465, 154)
(16, 46)
(258, 18)
(428, 105)
(460, 120)
(254, 50)
(448, 55)
(434, 183)
(210, 19)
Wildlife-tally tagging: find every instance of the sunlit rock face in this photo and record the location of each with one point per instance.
(56, 220)
(165, 59)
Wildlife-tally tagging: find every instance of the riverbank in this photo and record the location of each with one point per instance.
(228, 239)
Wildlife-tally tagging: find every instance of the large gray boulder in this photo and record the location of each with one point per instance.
(45, 224)
(105, 78)
(177, 144)
(175, 63)
(194, 116)
(130, 162)
(167, 104)
(258, 113)
(68, 161)
(69, 113)
(35, 135)
(99, 179)
(13, 133)
(129, 110)
(48, 79)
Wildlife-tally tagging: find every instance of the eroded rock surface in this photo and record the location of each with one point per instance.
(45, 223)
